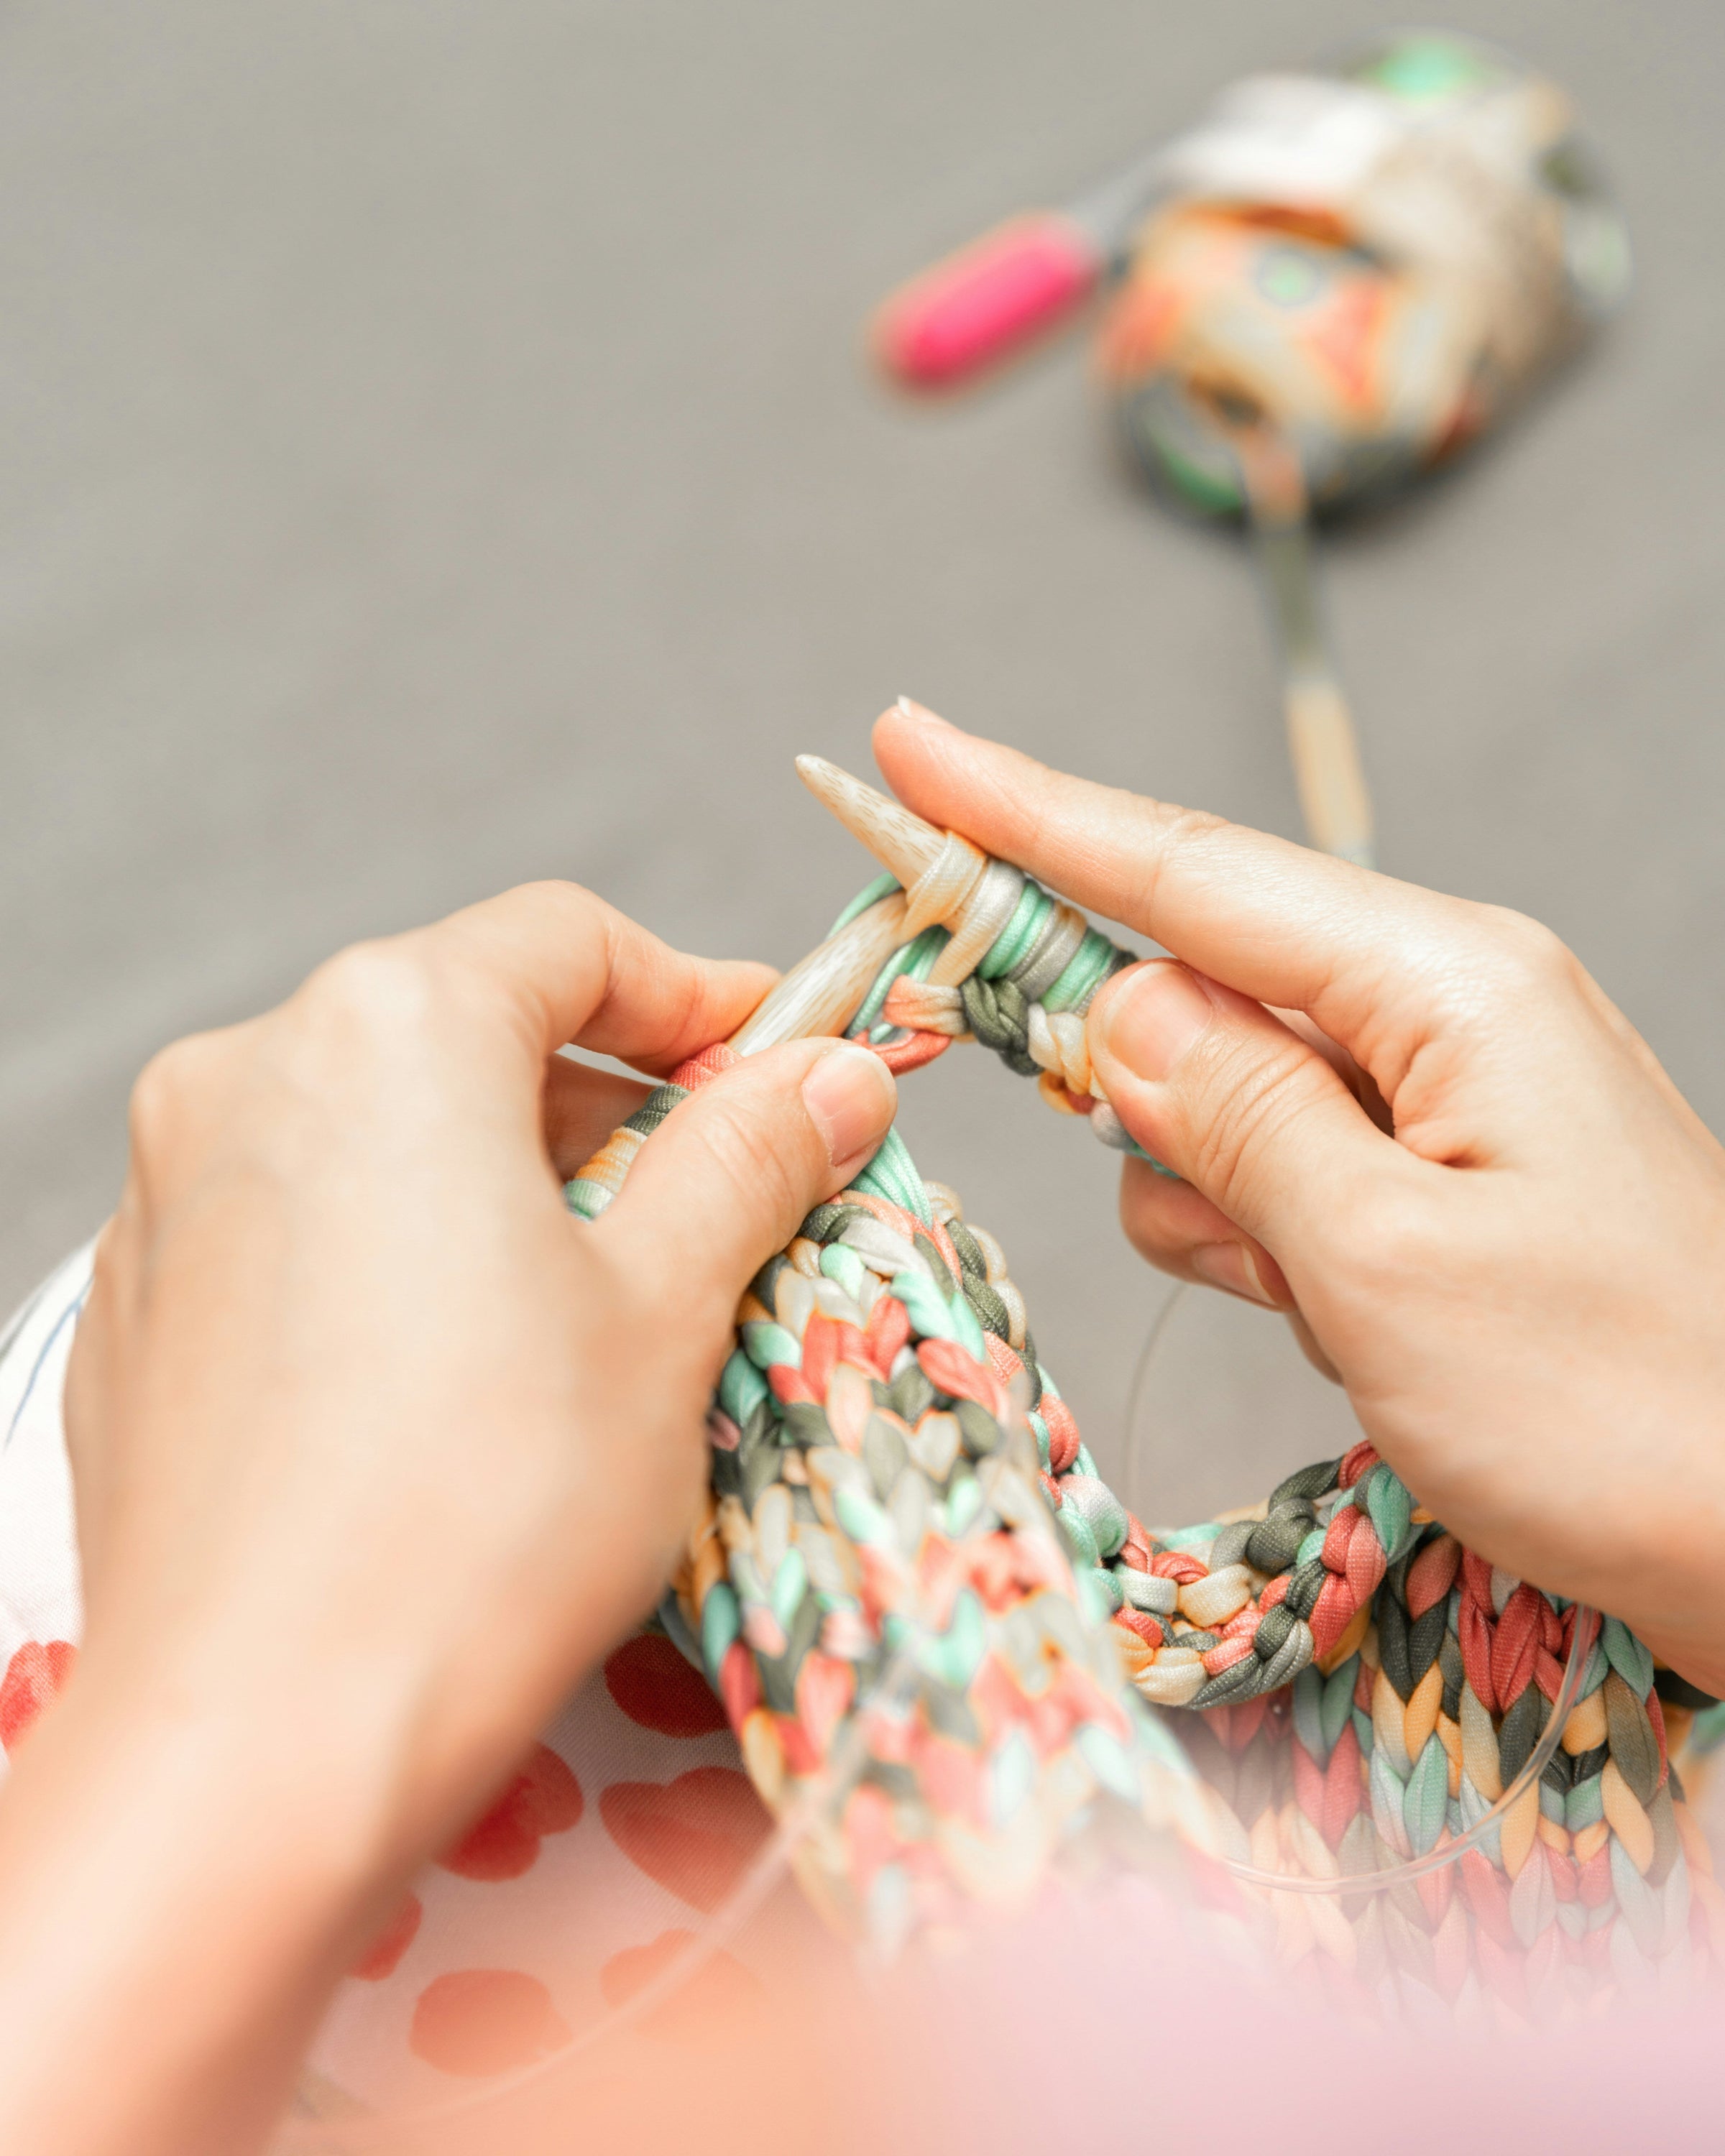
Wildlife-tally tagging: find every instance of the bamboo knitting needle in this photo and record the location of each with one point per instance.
(938, 870)
(820, 992)
(899, 840)
(1321, 743)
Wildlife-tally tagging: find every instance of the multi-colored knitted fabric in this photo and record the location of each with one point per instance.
(1427, 1695)
(878, 1588)
(940, 1645)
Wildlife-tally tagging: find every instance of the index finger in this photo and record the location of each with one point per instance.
(571, 970)
(1275, 921)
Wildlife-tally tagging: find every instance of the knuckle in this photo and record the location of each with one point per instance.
(390, 984)
(168, 1091)
(561, 891)
(1532, 955)
(1180, 833)
(1472, 961)
(362, 1021)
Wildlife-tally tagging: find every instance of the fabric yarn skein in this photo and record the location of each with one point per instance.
(942, 1650)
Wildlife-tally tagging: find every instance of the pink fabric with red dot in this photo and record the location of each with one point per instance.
(628, 1824)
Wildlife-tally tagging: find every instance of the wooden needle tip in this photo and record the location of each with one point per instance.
(898, 839)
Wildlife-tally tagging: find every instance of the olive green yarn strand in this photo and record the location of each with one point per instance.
(588, 1198)
(653, 1110)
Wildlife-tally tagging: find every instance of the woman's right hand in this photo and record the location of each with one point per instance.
(1521, 1283)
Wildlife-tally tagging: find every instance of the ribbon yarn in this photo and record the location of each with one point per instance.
(896, 1480)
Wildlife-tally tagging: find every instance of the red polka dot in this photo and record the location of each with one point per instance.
(543, 1798)
(636, 1966)
(33, 1676)
(706, 2007)
(653, 1684)
(695, 1835)
(480, 2021)
(380, 1959)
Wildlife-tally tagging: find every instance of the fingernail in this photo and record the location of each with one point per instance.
(851, 1098)
(909, 708)
(1154, 1016)
(1232, 1267)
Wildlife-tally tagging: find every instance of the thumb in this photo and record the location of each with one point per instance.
(1254, 1118)
(732, 1171)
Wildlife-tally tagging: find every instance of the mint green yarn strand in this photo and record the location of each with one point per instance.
(871, 894)
(1019, 933)
(1088, 964)
(891, 1174)
(926, 948)
(914, 959)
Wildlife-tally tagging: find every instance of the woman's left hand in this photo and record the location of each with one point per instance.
(376, 1449)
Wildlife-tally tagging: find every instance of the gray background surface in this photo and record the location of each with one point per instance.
(438, 454)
